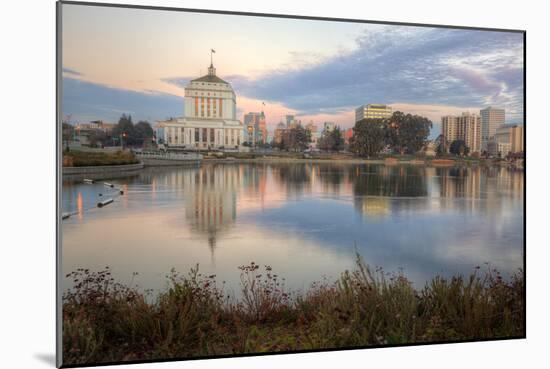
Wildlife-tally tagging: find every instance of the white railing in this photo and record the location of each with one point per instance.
(167, 155)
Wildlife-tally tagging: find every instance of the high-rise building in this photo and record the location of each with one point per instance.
(373, 111)
(255, 128)
(466, 127)
(491, 119)
(471, 125)
(449, 127)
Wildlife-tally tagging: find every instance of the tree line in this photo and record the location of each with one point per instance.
(124, 133)
(401, 133)
(298, 139)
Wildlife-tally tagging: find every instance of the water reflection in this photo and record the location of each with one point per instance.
(211, 194)
(303, 219)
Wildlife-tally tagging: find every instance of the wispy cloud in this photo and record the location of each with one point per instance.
(86, 101)
(445, 70)
(460, 68)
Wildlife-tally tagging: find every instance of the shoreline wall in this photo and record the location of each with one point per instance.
(101, 169)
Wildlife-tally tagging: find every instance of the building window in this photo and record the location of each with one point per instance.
(220, 102)
(196, 106)
(204, 134)
(196, 135)
(212, 135)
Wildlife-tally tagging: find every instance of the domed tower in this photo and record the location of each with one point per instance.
(210, 117)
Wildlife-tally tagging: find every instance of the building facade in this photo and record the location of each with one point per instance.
(507, 139)
(313, 133)
(328, 126)
(348, 135)
(466, 127)
(373, 111)
(255, 128)
(278, 133)
(210, 117)
(491, 119)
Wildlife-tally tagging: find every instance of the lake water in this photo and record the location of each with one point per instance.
(304, 220)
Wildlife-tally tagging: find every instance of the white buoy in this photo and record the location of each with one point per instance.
(90, 181)
(108, 184)
(65, 215)
(104, 202)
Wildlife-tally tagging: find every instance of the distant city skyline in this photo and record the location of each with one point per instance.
(134, 61)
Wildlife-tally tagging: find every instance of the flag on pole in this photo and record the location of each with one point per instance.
(211, 52)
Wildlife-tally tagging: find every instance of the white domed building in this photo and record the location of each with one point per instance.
(210, 121)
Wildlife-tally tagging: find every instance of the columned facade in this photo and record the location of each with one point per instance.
(210, 118)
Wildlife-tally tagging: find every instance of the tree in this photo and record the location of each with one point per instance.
(143, 129)
(458, 147)
(133, 134)
(441, 145)
(368, 137)
(67, 133)
(408, 133)
(337, 139)
(142, 132)
(296, 139)
(124, 130)
(96, 137)
(332, 140)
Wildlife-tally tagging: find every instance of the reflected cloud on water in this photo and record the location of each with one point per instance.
(308, 218)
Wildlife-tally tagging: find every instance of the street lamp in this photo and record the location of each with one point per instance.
(122, 137)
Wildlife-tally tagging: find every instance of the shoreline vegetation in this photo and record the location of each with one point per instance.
(76, 158)
(105, 321)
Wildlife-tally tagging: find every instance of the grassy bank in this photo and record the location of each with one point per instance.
(106, 321)
(348, 158)
(86, 159)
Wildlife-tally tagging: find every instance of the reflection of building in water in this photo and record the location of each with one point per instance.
(373, 206)
(479, 188)
(460, 182)
(507, 182)
(210, 199)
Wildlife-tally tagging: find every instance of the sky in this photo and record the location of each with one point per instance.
(137, 61)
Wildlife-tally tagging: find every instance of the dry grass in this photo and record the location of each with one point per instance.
(84, 159)
(105, 321)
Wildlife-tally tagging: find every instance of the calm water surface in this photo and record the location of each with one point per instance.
(305, 220)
